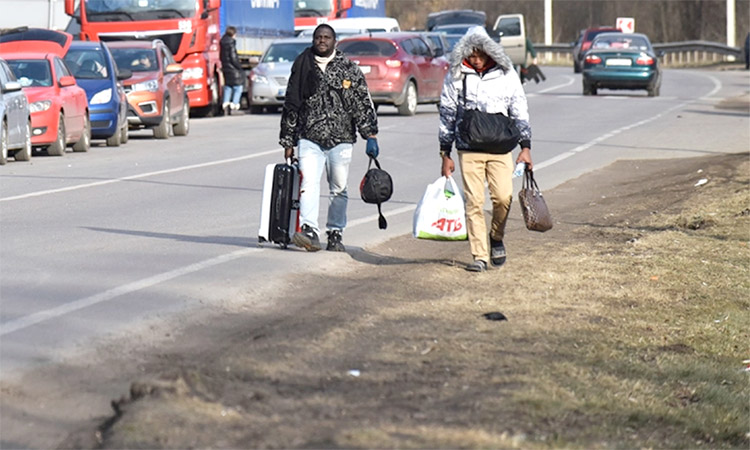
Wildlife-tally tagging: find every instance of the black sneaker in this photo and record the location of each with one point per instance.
(477, 266)
(334, 242)
(307, 238)
(497, 252)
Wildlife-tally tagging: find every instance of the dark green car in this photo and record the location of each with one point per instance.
(621, 61)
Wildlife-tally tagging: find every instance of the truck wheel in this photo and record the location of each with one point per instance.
(162, 130)
(182, 127)
(84, 143)
(57, 148)
(24, 154)
(409, 107)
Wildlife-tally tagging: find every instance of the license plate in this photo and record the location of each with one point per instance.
(365, 69)
(619, 62)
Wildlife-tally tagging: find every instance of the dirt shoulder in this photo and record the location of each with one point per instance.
(595, 350)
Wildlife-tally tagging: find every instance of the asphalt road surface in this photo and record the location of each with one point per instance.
(98, 244)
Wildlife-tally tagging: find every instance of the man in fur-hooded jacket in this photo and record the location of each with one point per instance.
(492, 86)
(327, 103)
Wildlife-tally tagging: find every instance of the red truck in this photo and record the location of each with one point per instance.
(189, 28)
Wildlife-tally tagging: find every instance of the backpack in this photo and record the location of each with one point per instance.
(376, 187)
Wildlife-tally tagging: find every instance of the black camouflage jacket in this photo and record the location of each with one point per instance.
(326, 108)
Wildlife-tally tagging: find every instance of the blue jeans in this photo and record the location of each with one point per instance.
(232, 94)
(312, 160)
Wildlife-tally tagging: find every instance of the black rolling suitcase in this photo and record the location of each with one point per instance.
(279, 214)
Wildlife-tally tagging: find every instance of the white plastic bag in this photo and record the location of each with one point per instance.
(441, 215)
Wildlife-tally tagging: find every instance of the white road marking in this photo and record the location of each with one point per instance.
(139, 176)
(593, 142)
(52, 313)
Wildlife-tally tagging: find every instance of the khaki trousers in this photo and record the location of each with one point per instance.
(497, 171)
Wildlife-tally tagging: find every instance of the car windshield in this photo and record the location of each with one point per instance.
(591, 34)
(312, 8)
(286, 52)
(623, 41)
(453, 29)
(135, 59)
(87, 64)
(124, 10)
(34, 72)
(370, 47)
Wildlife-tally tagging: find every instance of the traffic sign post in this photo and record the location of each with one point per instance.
(625, 24)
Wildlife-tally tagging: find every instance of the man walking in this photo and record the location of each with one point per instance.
(327, 103)
(234, 74)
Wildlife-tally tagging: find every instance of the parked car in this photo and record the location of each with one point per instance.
(453, 16)
(156, 94)
(454, 28)
(621, 61)
(15, 118)
(59, 108)
(95, 71)
(582, 44)
(437, 42)
(400, 68)
(268, 80)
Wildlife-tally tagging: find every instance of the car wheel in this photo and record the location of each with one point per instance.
(4, 145)
(588, 89)
(162, 130)
(24, 154)
(256, 109)
(84, 143)
(653, 91)
(124, 133)
(115, 140)
(182, 127)
(409, 107)
(576, 67)
(57, 148)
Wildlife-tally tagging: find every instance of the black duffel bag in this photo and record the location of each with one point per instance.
(376, 187)
(490, 132)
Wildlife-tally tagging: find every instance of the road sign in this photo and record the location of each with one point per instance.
(626, 24)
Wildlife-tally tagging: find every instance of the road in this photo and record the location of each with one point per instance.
(102, 244)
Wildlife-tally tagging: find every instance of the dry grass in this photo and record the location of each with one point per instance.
(621, 334)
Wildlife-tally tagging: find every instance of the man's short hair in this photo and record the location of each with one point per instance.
(324, 25)
(231, 31)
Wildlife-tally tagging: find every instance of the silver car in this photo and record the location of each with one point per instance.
(15, 132)
(268, 80)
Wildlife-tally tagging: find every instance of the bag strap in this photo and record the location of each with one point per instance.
(369, 164)
(528, 180)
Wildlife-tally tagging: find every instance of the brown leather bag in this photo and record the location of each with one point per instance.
(534, 208)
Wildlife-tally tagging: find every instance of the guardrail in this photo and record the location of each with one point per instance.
(675, 54)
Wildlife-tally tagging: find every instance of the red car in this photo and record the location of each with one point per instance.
(401, 69)
(59, 108)
(581, 46)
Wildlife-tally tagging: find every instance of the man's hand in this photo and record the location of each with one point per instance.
(289, 153)
(372, 149)
(525, 156)
(448, 166)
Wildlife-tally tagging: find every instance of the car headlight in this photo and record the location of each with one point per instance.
(192, 73)
(259, 79)
(151, 86)
(100, 97)
(39, 106)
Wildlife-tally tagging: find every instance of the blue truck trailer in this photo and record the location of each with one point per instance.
(258, 23)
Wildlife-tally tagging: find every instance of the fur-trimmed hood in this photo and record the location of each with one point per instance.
(477, 37)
